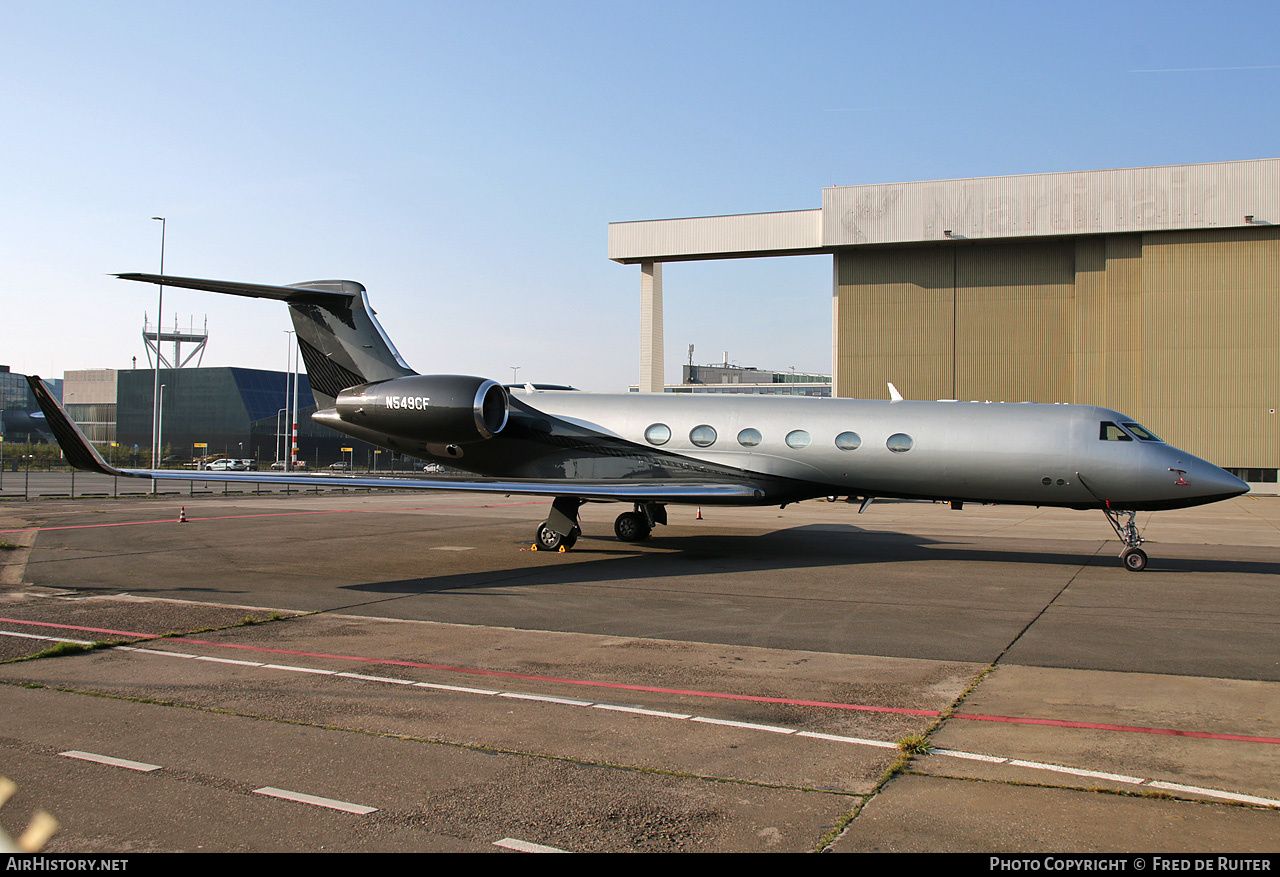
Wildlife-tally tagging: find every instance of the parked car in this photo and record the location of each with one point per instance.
(225, 465)
(250, 465)
(340, 466)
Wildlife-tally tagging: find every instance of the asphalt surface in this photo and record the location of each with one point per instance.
(737, 683)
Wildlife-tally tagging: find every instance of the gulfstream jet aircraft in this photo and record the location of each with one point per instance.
(650, 450)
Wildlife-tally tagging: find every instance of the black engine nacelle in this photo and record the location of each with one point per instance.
(437, 409)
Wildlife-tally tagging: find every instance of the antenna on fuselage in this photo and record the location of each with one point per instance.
(894, 395)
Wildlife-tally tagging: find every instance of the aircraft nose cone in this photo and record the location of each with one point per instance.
(1209, 480)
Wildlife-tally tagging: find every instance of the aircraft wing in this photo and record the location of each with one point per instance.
(81, 454)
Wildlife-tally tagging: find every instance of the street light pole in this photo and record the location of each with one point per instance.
(279, 429)
(155, 407)
(297, 379)
(291, 366)
(160, 425)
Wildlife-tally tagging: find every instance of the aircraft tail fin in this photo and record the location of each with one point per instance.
(341, 340)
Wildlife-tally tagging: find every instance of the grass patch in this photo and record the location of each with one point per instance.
(8, 546)
(915, 744)
(59, 650)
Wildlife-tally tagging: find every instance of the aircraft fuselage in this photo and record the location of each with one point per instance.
(794, 448)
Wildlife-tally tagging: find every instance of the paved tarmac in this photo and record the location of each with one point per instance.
(737, 683)
(40, 485)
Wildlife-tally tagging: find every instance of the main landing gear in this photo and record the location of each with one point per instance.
(550, 540)
(638, 525)
(1133, 557)
(560, 531)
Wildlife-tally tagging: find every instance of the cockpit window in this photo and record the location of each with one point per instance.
(1142, 433)
(1109, 432)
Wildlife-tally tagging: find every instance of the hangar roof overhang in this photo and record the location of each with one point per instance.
(1168, 198)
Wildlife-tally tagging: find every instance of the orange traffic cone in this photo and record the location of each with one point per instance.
(182, 515)
(699, 517)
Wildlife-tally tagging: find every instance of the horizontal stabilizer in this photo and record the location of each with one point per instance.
(324, 291)
(338, 334)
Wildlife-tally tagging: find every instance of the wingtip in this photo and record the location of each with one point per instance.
(78, 450)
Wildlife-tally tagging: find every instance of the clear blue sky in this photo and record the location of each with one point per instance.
(463, 160)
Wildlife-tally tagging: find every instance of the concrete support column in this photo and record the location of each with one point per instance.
(651, 340)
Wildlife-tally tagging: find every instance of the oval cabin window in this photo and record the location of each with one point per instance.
(899, 443)
(798, 439)
(658, 434)
(702, 436)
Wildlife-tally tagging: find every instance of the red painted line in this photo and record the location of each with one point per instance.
(170, 521)
(389, 662)
(1131, 729)
(584, 682)
(270, 515)
(75, 627)
(622, 686)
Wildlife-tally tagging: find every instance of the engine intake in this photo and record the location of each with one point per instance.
(439, 409)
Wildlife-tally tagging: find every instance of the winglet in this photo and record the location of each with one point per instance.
(79, 452)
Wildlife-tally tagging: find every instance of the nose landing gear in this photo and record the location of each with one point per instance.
(1133, 557)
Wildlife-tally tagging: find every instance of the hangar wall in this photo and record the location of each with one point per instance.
(1178, 329)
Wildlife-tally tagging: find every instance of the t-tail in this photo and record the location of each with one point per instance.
(341, 340)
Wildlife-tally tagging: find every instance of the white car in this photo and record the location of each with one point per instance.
(227, 465)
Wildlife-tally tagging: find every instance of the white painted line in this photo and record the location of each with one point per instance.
(1040, 765)
(358, 809)
(640, 711)
(453, 548)
(751, 726)
(56, 639)
(1214, 793)
(524, 846)
(463, 689)
(230, 661)
(113, 762)
(315, 670)
(972, 756)
(365, 678)
(861, 741)
(545, 698)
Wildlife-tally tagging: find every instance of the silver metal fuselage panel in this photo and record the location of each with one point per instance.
(1023, 453)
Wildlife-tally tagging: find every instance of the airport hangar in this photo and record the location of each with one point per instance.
(1154, 291)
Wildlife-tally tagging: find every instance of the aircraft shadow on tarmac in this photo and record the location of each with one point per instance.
(793, 549)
